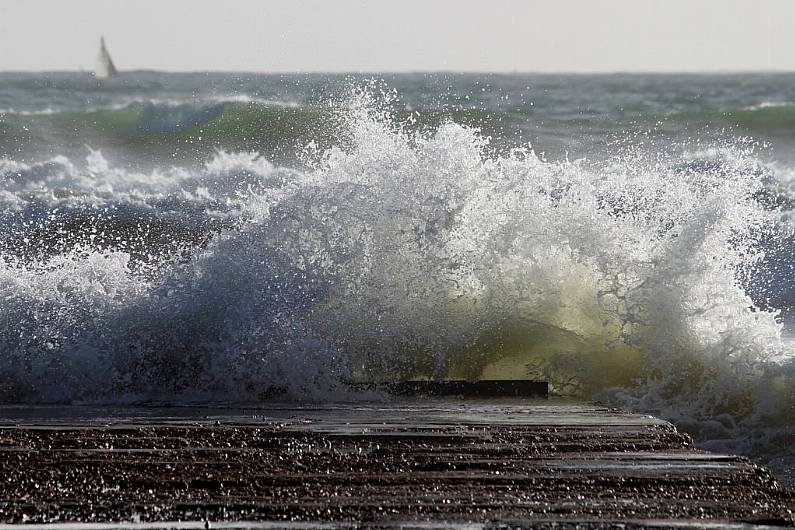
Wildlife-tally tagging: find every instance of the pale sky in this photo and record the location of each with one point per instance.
(401, 35)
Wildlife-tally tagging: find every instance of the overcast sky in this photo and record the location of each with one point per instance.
(401, 35)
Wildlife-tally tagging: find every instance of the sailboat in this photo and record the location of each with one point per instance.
(105, 67)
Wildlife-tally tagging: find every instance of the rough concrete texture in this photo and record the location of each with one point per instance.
(543, 463)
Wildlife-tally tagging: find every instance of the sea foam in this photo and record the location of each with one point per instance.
(402, 253)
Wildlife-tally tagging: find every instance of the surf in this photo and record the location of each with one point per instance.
(401, 252)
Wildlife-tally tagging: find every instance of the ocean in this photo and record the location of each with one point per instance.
(184, 239)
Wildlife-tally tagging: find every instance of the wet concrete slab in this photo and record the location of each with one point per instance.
(455, 464)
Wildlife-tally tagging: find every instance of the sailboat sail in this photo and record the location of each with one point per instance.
(105, 66)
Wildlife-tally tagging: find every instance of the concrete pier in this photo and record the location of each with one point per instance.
(474, 464)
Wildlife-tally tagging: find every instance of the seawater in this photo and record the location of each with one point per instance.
(208, 238)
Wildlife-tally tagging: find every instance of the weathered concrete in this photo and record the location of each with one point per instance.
(517, 388)
(548, 463)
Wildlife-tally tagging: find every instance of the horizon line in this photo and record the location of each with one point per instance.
(419, 71)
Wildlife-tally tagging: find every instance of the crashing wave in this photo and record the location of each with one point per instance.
(403, 253)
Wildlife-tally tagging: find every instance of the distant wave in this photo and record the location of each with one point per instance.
(157, 102)
(768, 105)
(39, 112)
(763, 117)
(165, 127)
(161, 128)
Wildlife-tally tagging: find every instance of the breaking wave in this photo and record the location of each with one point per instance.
(400, 253)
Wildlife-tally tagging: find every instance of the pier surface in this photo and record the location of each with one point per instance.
(473, 464)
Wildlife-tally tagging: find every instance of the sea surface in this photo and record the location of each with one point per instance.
(234, 238)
